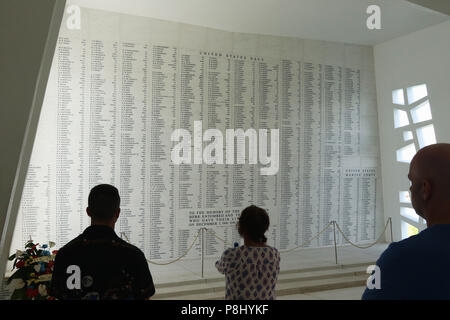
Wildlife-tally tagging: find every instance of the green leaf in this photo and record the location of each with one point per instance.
(29, 245)
(11, 257)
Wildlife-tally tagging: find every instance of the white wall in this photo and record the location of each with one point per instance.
(28, 34)
(420, 57)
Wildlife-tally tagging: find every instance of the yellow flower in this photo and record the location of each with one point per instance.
(45, 277)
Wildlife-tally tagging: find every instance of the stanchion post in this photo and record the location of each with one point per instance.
(335, 246)
(203, 249)
(390, 225)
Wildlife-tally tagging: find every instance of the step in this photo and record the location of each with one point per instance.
(350, 293)
(321, 285)
(218, 284)
(310, 273)
(282, 289)
(289, 282)
(280, 276)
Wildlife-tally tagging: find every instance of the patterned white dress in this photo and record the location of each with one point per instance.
(251, 272)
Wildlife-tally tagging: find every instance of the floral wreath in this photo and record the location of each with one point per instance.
(34, 272)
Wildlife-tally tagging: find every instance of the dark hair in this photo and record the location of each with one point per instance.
(254, 222)
(103, 201)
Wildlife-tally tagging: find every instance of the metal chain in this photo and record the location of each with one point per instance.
(219, 238)
(177, 259)
(284, 251)
(316, 236)
(308, 241)
(363, 247)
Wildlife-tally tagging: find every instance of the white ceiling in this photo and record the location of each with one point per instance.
(331, 20)
(437, 5)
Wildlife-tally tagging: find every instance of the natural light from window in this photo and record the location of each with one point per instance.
(410, 115)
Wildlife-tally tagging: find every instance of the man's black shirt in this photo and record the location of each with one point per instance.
(110, 268)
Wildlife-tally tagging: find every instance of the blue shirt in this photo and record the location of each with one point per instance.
(415, 268)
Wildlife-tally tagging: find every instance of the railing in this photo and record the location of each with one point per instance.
(333, 223)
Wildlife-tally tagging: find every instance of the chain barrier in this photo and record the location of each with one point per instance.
(177, 259)
(284, 251)
(310, 240)
(219, 238)
(363, 247)
(316, 236)
(389, 221)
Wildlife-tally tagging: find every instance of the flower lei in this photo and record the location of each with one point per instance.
(34, 272)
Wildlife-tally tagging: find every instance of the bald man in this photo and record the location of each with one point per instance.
(419, 267)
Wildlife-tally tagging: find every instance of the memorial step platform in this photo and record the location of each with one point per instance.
(290, 282)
